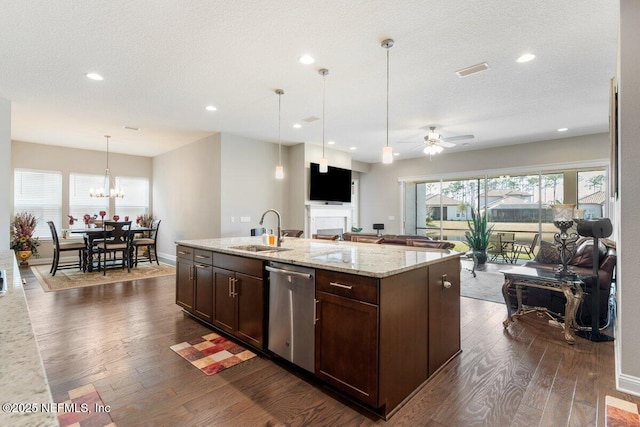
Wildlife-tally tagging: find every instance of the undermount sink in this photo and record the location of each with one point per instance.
(259, 248)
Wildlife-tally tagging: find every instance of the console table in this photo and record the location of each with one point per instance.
(520, 277)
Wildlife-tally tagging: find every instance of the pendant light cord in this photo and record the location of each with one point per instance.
(387, 97)
(279, 138)
(323, 101)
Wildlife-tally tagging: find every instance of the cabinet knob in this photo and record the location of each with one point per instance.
(445, 283)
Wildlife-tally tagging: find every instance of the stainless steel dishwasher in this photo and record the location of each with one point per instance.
(291, 313)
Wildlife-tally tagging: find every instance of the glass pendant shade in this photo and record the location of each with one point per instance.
(432, 149)
(279, 172)
(324, 165)
(387, 155)
(109, 189)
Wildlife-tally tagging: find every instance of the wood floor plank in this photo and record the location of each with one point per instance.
(117, 337)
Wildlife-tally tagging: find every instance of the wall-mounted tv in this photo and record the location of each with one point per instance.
(333, 186)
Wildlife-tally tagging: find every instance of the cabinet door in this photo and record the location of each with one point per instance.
(250, 304)
(203, 301)
(444, 313)
(347, 346)
(184, 284)
(224, 310)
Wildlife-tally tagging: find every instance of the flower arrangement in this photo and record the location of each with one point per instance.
(23, 225)
(144, 220)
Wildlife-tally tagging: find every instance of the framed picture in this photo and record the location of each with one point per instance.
(613, 136)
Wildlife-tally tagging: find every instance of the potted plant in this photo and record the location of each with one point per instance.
(478, 235)
(23, 225)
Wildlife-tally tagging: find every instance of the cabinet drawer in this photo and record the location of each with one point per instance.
(203, 257)
(184, 252)
(348, 285)
(250, 266)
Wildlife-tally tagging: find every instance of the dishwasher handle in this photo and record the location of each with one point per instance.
(288, 272)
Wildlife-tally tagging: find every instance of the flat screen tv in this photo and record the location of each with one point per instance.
(333, 186)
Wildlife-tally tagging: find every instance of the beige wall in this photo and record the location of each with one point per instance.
(249, 186)
(67, 160)
(628, 205)
(186, 193)
(381, 193)
(5, 171)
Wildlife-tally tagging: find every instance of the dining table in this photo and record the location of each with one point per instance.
(91, 234)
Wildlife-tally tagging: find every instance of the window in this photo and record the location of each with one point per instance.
(136, 197)
(80, 203)
(39, 192)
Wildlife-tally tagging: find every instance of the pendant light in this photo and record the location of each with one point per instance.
(109, 190)
(324, 165)
(387, 151)
(279, 168)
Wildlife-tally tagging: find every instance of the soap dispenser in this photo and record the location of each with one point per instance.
(272, 238)
(265, 238)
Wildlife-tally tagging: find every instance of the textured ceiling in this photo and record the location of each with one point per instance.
(163, 61)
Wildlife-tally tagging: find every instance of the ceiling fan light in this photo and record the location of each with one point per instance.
(433, 136)
(387, 155)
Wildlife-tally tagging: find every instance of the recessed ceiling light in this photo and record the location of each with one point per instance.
(331, 142)
(210, 108)
(297, 126)
(94, 76)
(526, 58)
(352, 148)
(306, 59)
(563, 129)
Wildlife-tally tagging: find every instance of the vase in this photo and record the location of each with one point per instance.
(23, 256)
(481, 256)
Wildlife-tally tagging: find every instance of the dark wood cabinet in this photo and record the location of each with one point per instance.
(444, 313)
(203, 298)
(185, 291)
(239, 298)
(347, 345)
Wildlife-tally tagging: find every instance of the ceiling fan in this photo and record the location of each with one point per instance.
(435, 143)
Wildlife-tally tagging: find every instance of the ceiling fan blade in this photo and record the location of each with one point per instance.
(458, 138)
(446, 144)
(406, 142)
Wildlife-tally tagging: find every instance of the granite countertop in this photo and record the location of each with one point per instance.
(365, 259)
(23, 383)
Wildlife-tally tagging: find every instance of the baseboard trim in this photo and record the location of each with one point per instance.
(628, 384)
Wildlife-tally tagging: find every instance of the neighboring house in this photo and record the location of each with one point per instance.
(593, 205)
(496, 195)
(452, 209)
(516, 209)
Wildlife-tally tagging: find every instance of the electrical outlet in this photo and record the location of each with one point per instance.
(245, 219)
(233, 219)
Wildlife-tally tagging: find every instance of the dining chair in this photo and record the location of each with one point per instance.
(59, 247)
(118, 238)
(149, 242)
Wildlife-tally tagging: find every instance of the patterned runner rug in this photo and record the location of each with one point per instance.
(212, 353)
(73, 278)
(84, 408)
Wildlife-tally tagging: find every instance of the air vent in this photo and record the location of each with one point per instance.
(311, 119)
(472, 70)
(131, 128)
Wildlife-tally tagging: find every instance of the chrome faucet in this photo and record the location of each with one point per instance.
(279, 235)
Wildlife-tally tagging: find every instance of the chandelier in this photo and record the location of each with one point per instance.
(109, 189)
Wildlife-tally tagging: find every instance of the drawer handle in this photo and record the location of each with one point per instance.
(315, 311)
(184, 253)
(445, 282)
(202, 266)
(202, 257)
(340, 285)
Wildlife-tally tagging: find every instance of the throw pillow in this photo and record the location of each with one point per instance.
(548, 253)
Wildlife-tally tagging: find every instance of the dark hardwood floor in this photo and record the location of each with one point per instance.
(117, 338)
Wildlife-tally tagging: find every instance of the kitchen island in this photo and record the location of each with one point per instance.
(387, 317)
(24, 390)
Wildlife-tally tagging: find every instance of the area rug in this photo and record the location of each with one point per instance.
(485, 286)
(72, 278)
(212, 353)
(621, 413)
(84, 408)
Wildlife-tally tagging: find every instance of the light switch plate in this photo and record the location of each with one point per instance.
(392, 218)
(245, 219)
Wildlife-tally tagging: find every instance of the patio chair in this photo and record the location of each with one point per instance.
(527, 250)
